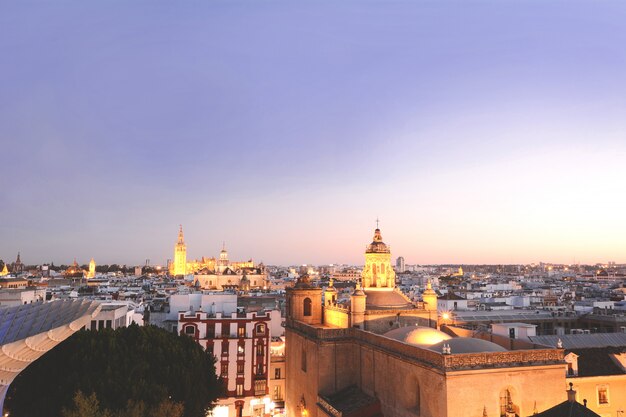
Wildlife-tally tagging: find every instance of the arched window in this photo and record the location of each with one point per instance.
(307, 306)
(190, 330)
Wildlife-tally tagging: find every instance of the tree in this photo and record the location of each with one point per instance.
(85, 406)
(122, 368)
(89, 406)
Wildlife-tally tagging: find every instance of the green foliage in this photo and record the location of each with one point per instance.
(89, 406)
(85, 406)
(129, 367)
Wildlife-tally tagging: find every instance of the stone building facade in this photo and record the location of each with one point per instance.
(378, 355)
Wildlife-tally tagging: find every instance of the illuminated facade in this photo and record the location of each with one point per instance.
(74, 271)
(216, 274)
(5, 271)
(378, 272)
(179, 266)
(241, 344)
(379, 355)
(92, 269)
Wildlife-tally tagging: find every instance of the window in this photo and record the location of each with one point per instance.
(224, 370)
(210, 331)
(307, 306)
(259, 369)
(259, 387)
(108, 324)
(225, 329)
(277, 373)
(260, 349)
(277, 396)
(190, 330)
(240, 368)
(239, 389)
(260, 328)
(303, 360)
(603, 395)
(225, 347)
(94, 325)
(240, 349)
(241, 331)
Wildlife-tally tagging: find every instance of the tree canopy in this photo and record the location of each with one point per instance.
(128, 366)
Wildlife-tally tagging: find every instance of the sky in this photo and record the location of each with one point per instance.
(476, 131)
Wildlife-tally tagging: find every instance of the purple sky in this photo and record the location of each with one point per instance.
(478, 131)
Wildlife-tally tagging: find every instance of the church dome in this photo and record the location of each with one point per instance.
(386, 299)
(418, 336)
(468, 345)
(377, 245)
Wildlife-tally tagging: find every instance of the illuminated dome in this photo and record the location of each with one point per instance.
(377, 245)
(386, 298)
(468, 345)
(418, 336)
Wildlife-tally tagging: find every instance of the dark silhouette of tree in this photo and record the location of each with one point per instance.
(122, 368)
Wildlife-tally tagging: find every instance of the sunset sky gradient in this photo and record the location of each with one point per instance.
(478, 131)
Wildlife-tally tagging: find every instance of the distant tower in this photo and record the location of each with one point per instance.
(180, 254)
(222, 262)
(92, 269)
(400, 264)
(18, 266)
(378, 272)
(430, 297)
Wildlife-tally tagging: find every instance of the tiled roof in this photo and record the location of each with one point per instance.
(575, 341)
(597, 361)
(568, 409)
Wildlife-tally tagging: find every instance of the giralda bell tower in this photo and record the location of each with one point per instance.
(180, 254)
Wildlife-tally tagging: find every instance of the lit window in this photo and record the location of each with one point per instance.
(241, 331)
(603, 395)
(259, 387)
(240, 349)
(240, 389)
(277, 396)
(277, 373)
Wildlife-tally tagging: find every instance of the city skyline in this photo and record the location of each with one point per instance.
(490, 133)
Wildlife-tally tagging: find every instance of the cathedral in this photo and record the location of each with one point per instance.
(380, 354)
(217, 274)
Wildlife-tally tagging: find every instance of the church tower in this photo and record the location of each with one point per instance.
(430, 298)
(180, 255)
(92, 269)
(222, 262)
(378, 272)
(304, 302)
